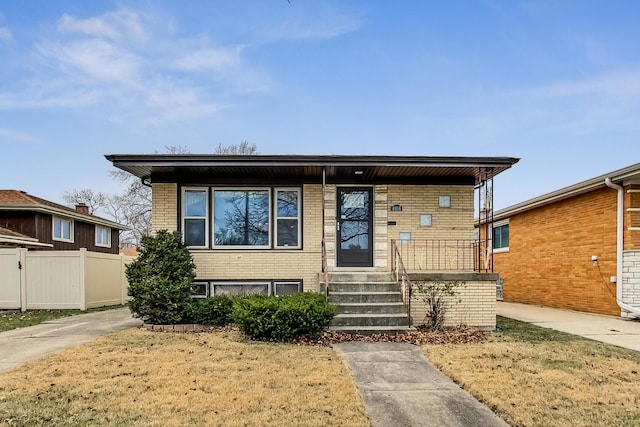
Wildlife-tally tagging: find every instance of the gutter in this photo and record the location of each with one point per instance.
(620, 246)
(24, 241)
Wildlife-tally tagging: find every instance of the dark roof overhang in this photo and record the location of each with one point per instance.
(309, 168)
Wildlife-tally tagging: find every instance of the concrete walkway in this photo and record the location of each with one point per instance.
(33, 342)
(607, 329)
(400, 387)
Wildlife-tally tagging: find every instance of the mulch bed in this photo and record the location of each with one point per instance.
(458, 335)
(419, 336)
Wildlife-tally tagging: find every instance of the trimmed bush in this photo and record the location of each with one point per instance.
(217, 310)
(160, 279)
(284, 317)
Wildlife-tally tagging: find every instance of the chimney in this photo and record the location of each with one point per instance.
(82, 208)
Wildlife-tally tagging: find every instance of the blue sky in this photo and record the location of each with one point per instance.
(555, 83)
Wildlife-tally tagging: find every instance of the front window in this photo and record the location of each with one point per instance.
(287, 218)
(501, 236)
(103, 236)
(241, 217)
(194, 217)
(62, 229)
(249, 218)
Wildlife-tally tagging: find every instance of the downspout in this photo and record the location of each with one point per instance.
(619, 247)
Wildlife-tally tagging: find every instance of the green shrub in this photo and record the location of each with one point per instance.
(160, 279)
(217, 310)
(284, 317)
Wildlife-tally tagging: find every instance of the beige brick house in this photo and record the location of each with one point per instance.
(576, 248)
(282, 223)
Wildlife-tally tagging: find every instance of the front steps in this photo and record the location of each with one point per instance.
(367, 303)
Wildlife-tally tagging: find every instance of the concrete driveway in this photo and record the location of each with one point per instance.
(607, 329)
(24, 344)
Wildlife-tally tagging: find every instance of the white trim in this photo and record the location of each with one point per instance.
(633, 229)
(633, 209)
(71, 229)
(206, 289)
(108, 229)
(276, 217)
(207, 216)
(501, 222)
(633, 190)
(501, 250)
(286, 282)
(23, 241)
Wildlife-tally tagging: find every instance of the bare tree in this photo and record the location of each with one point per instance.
(242, 149)
(95, 201)
(133, 206)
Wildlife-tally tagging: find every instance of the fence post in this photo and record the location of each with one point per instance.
(123, 280)
(82, 254)
(22, 259)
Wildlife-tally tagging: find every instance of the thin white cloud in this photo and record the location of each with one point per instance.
(37, 100)
(11, 136)
(6, 37)
(209, 59)
(318, 29)
(118, 25)
(137, 66)
(95, 58)
(623, 83)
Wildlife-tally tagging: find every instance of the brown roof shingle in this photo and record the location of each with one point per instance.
(21, 199)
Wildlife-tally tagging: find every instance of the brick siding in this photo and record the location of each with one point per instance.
(474, 304)
(549, 258)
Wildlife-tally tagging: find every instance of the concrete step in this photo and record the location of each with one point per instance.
(362, 286)
(364, 297)
(371, 308)
(370, 330)
(359, 276)
(370, 320)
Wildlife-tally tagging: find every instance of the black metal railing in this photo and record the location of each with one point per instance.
(402, 277)
(444, 255)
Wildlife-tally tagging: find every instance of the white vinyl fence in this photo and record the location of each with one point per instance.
(32, 280)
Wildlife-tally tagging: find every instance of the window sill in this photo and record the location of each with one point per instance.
(56, 239)
(501, 250)
(244, 249)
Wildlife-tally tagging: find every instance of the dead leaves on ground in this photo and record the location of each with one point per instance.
(418, 336)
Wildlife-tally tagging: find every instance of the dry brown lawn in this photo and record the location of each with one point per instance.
(535, 377)
(144, 378)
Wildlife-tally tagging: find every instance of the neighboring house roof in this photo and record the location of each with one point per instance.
(365, 168)
(13, 238)
(618, 176)
(15, 200)
(129, 250)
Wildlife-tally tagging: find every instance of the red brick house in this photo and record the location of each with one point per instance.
(29, 221)
(575, 248)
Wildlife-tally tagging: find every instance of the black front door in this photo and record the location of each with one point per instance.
(354, 223)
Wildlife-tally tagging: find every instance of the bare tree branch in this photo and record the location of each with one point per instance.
(132, 207)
